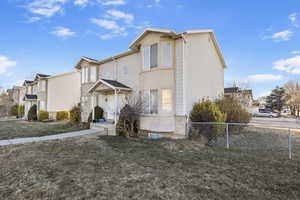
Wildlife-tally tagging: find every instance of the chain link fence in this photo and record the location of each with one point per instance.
(264, 141)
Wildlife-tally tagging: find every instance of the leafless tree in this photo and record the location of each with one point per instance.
(129, 119)
(293, 97)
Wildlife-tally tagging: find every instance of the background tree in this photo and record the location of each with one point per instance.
(293, 97)
(277, 99)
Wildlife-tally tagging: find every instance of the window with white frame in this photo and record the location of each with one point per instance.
(154, 101)
(88, 74)
(93, 74)
(166, 95)
(150, 57)
(167, 54)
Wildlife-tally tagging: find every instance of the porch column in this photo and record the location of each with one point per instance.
(116, 106)
(93, 106)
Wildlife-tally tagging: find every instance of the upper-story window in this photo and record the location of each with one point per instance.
(34, 89)
(42, 86)
(167, 54)
(150, 55)
(88, 74)
(150, 58)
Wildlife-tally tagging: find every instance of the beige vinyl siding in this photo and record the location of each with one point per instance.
(63, 92)
(203, 71)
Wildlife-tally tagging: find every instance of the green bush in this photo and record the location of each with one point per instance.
(75, 114)
(32, 113)
(234, 111)
(21, 110)
(98, 112)
(43, 115)
(14, 110)
(207, 111)
(62, 115)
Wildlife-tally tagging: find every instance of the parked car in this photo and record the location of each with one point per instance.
(265, 113)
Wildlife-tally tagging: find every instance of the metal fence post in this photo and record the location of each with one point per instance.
(227, 137)
(290, 144)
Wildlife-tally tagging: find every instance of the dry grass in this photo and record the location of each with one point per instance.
(22, 129)
(93, 167)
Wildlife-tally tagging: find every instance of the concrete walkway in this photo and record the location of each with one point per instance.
(49, 137)
(5, 119)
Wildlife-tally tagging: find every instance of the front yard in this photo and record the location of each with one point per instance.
(23, 129)
(93, 167)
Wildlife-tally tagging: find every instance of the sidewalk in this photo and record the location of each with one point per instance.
(49, 137)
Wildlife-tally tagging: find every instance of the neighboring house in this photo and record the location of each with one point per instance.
(52, 93)
(171, 71)
(244, 96)
(63, 92)
(30, 97)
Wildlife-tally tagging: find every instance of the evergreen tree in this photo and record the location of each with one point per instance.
(277, 99)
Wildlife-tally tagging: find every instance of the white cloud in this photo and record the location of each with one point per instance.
(107, 24)
(63, 32)
(289, 65)
(46, 8)
(81, 3)
(114, 28)
(283, 35)
(112, 2)
(5, 64)
(116, 14)
(33, 19)
(264, 77)
(294, 19)
(295, 52)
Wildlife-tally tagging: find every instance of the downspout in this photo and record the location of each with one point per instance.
(183, 73)
(184, 41)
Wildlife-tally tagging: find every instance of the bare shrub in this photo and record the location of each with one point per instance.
(129, 119)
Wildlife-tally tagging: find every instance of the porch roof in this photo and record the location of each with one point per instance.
(114, 85)
(30, 97)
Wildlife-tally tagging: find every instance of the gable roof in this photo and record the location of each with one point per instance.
(115, 85)
(134, 44)
(37, 76)
(27, 82)
(84, 58)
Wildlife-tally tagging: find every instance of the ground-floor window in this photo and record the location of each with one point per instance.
(166, 100)
(154, 101)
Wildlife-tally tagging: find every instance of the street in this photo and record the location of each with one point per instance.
(276, 122)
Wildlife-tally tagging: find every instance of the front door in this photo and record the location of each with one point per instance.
(110, 107)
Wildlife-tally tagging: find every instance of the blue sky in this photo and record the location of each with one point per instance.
(260, 40)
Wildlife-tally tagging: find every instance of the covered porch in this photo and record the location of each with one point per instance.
(110, 95)
(29, 100)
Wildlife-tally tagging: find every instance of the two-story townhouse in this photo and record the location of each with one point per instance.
(171, 71)
(30, 97)
(52, 93)
(63, 92)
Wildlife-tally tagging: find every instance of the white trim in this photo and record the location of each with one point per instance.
(107, 84)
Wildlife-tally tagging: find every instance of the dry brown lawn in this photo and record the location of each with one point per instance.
(23, 129)
(93, 167)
